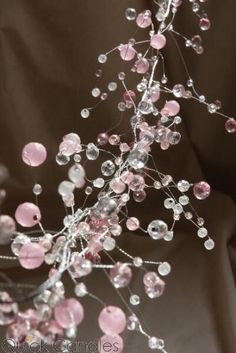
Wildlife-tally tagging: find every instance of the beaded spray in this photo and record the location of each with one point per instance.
(90, 231)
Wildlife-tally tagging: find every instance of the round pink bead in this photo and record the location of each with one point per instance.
(172, 107)
(34, 154)
(143, 19)
(129, 96)
(142, 66)
(158, 41)
(230, 125)
(132, 223)
(127, 52)
(28, 214)
(69, 313)
(111, 343)
(201, 190)
(112, 320)
(31, 256)
(117, 186)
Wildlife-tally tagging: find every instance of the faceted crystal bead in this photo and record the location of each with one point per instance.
(164, 268)
(130, 14)
(106, 207)
(138, 158)
(157, 229)
(108, 168)
(120, 275)
(80, 290)
(92, 152)
(133, 323)
(230, 125)
(201, 190)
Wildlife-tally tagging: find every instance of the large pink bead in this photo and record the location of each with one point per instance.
(144, 19)
(28, 214)
(111, 343)
(31, 256)
(112, 320)
(142, 66)
(201, 190)
(172, 107)
(69, 313)
(230, 125)
(34, 154)
(127, 52)
(158, 41)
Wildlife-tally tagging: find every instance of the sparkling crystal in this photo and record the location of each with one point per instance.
(96, 92)
(120, 275)
(108, 168)
(209, 244)
(155, 343)
(61, 159)
(157, 229)
(134, 299)
(164, 268)
(80, 290)
(133, 323)
(130, 14)
(138, 158)
(109, 244)
(18, 242)
(202, 232)
(112, 86)
(37, 189)
(201, 190)
(183, 185)
(92, 152)
(85, 113)
(102, 59)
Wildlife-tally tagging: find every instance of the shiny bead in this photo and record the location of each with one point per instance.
(201, 190)
(209, 244)
(138, 158)
(69, 313)
(164, 268)
(112, 320)
(28, 214)
(120, 275)
(230, 125)
(132, 223)
(31, 255)
(157, 229)
(158, 41)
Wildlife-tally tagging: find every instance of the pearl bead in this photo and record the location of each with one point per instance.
(28, 214)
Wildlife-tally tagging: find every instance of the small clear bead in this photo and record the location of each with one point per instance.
(109, 244)
(130, 14)
(61, 159)
(184, 200)
(169, 236)
(155, 343)
(202, 232)
(80, 290)
(77, 158)
(157, 185)
(37, 189)
(98, 183)
(202, 98)
(104, 96)
(112, 86)
(209, 244)
(188, 215)
(102, 59)
(85, 113)
(169, 203)
(138, 261)
(121, 76)
(212, 108)
(164, 268)
(134, 299)
(183, 185)
(96, 92)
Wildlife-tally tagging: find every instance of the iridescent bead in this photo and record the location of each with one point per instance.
(102, 138)
(69, 313)
(158, 41)
(112, 320)
(111, 343)
(31, 256)
(230, 125)
(157, 229)
(8, 309)
(27, 214)
(127, 52)
(143, 19)
(120, 275)
(34, 154)
(204, 23)
(201, 190)
(132, 223)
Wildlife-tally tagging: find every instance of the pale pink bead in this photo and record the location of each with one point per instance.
(71, 144)
(127, 52)
(142, 66)
(158, 41)
(69, 313)
(114, 140)
(117, 185)
(230, 125)
(204, 23)
(137, 183)
(124, 147)
(111, 343)
(34, 154)
(31, 256)
(132, 223)
(172, 107)
(102, 138)
(120, 275)
(155, 94)
(129, 96)
(143, 19)
(72, 137)
(112, 320)
(127, 177)
(28, 214)
(201, 190)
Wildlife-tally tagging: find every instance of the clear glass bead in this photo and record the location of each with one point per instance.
(164, 268)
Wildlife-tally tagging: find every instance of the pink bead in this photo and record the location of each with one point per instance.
(142, 66)
(102, 138)
(111, 343)
(28, 214)
(129, 96)
(69, 313)
(120, 275)
(201, 190)
(31, 256)
(132, 223)
(204, 24)
(127, 177)
(143, 19)
(158, 41)
(117, 186)
(127, 52)
(230, 125)
(114, 140)
(34, 154)
(70, 145)
(155, 94)
(112, 320)
(172, 107)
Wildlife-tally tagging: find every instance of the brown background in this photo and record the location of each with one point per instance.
(47, 64)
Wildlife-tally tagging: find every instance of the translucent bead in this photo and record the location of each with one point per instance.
(37, 189)
(31, 255)
(132, 223)
(184, 200)
(116, 230)
(112, 320)
(66, 188)
(202, 232)
(174, 137)
(143, 19)
(106, 207)
(158, 41)
(178, 90)
(134, 299)
(230, 125)
(69, 313)
(155, 343)
(108, 168)
(130, 14)
(209, 244)
(121, 76)
(114, 140)
(102, 59)
(61, 159)
(164, 268)
(96, 92)
(127, 52)
(98, 183)
(169, 236)
(120, 275)
(178, 209)
(76, 174)
(109, 244)
(212, 108)
(112, 86)
(80, 290)
(34, 154)
(102, 138)
(142, 66)
(138, 261)
(85, 113)
(138, 158)
(8, 311)
(117, 186)
(18, 242)
(183, 185)
(157, 229)
(28, 214)
(146, 107)
(92, 152)
(204, 24)
(172, 107)
(201, 190)
(139, 196)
